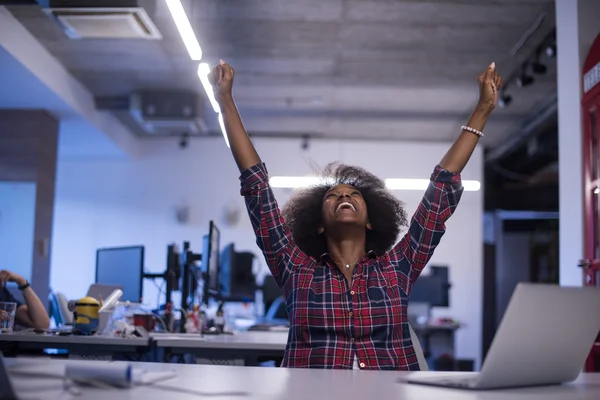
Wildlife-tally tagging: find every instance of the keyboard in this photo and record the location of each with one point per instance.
(268, 327)
(464, 382)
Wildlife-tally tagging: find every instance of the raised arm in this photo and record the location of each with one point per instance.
(490, 82)
(243, 150)
(428, 223)
(272, 235)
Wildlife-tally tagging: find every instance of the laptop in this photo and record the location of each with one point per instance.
(7, 391)
(544, 338)
(99, 291)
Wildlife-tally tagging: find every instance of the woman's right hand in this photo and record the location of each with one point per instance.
(221, 77)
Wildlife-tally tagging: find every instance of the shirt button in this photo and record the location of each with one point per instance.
(362, 365)
(352, 340)
(350, 313)
(352, 292)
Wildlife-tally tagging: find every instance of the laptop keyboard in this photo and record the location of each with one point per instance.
(463, 382)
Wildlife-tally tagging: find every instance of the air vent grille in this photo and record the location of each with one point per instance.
(105, 23)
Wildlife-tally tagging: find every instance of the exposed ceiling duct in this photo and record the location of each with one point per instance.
(168, 113)
(530, 128)
(111, 19)
(160, 113)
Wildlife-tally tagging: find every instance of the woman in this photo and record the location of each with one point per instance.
(346, 291)
(32, 314)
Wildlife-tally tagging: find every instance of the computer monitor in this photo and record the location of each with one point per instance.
(210, 262)
(432, 289)
(236, 277)
(226, 268)
(173, 270)
(122, 266)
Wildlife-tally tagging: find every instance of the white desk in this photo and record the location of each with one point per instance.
(251, 340)
(76, 344)
(295, 384)
(243, 348)
(49, 340)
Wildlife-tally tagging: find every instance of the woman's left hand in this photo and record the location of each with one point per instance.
(490, 83)
(7, 276)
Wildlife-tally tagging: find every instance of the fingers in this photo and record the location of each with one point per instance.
(213, 77)
(216, 76)
(489, 72)
(4, 277)
(228, 72)
(492, 77)
(220, 73)
(498, 81)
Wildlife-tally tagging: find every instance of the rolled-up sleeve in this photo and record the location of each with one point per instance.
(427, 225)
(272, 235)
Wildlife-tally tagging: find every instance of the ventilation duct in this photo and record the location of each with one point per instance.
(168, 113)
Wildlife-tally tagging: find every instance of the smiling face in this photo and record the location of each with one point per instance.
(344, 205)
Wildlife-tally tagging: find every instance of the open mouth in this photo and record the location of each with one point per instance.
(345, 206)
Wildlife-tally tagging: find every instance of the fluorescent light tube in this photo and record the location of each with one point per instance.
(296, 182)
(421, 184)
(203, 71)
(223, 131)
(185, 29)
(293, 182)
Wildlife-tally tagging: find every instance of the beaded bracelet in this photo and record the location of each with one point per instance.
(472, 130)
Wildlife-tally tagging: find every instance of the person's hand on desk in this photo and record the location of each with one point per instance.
(7, 276)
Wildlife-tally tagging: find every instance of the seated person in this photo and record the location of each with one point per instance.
(32, 314)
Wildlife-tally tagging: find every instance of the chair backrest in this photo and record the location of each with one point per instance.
(271, 291)
(277, 310)
(418, 350)
(60, 309)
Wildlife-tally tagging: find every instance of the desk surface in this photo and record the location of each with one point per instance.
(251, 340)
(30, 337)
(288, 384)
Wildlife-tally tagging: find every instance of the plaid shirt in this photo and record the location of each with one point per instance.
(331, 321)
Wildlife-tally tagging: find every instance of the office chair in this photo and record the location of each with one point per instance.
(59, 309)
(276, 310)
(423, 366)
(271, 291)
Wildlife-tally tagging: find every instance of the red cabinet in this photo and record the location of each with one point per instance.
(591, 169)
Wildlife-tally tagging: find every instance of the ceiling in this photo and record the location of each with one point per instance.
(376, 69)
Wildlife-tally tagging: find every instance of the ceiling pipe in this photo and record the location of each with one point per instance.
(528, 130)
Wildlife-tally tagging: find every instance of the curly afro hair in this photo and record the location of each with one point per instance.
(303, 212)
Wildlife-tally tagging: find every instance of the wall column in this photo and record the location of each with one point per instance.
(28, 153)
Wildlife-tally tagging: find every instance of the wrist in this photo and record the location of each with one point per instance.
(224, 98)
(21, 281)
(484, 108)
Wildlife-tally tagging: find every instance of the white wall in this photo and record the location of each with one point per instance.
(17, 223)
(133, 202)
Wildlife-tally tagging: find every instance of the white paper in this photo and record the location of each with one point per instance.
(119, 375)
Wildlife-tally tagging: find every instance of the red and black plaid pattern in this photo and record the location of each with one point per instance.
(330, 320)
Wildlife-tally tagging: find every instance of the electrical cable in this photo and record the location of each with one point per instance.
(527, 34)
